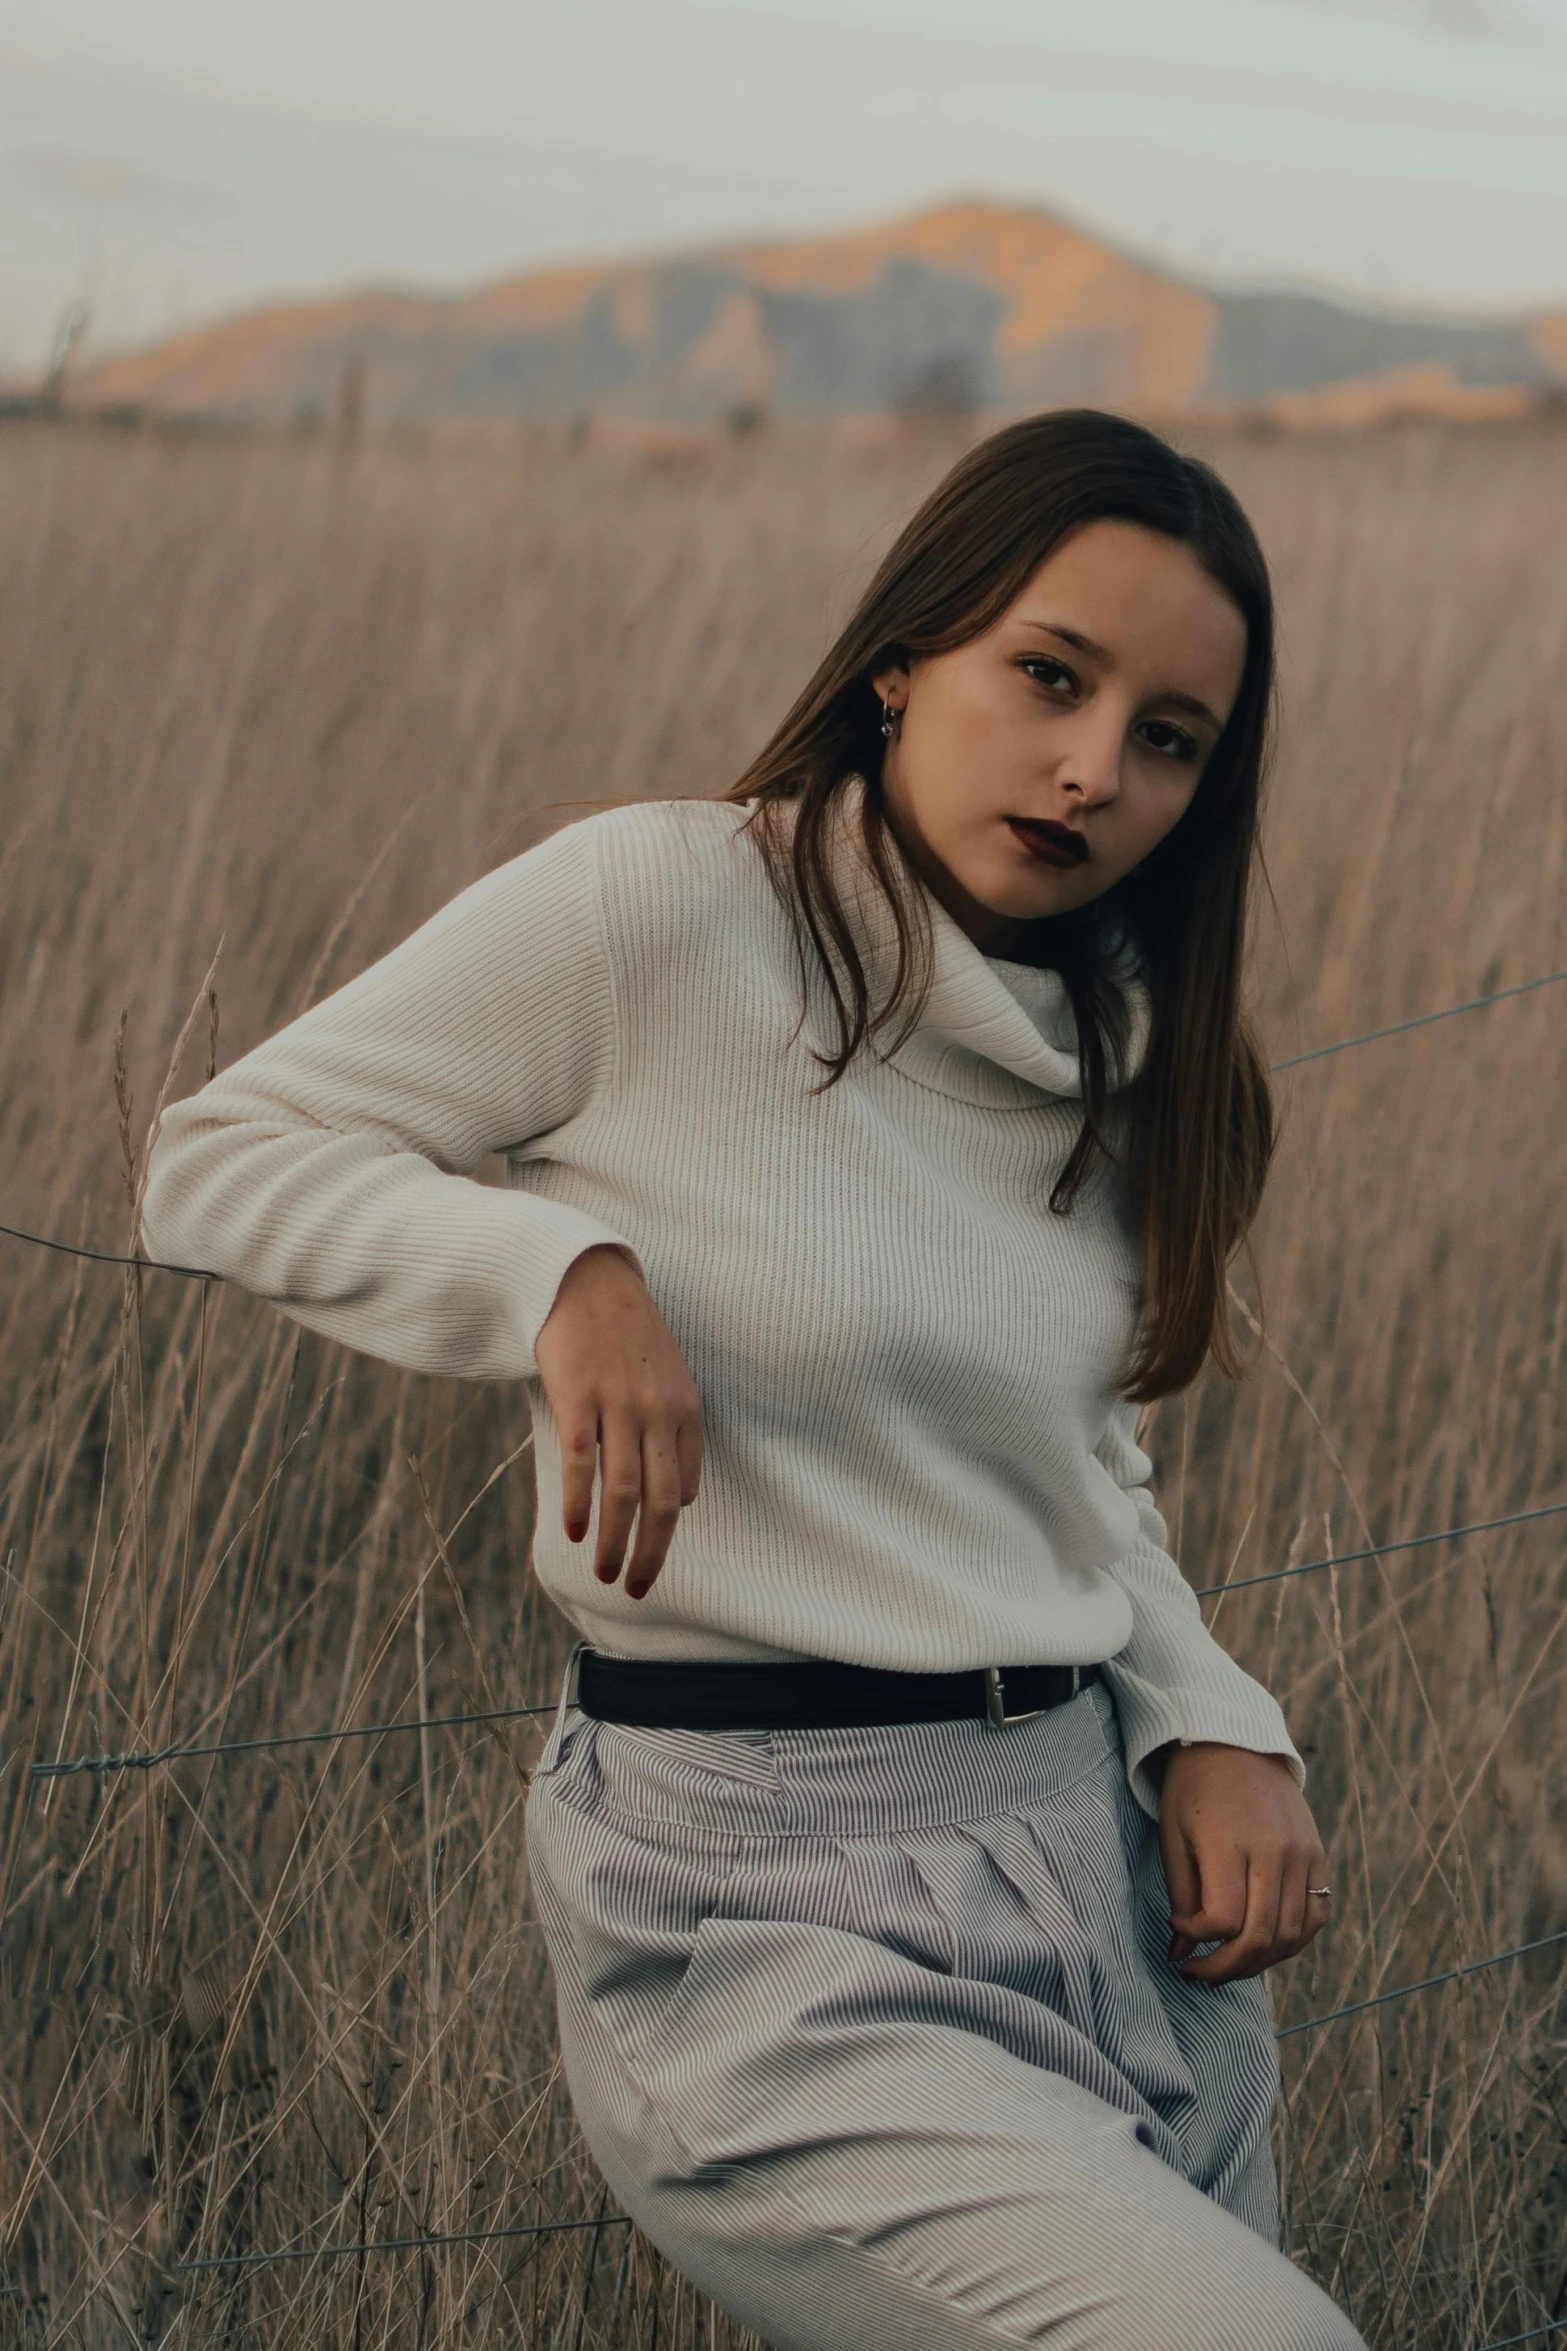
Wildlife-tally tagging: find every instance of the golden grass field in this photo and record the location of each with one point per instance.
(289, 697)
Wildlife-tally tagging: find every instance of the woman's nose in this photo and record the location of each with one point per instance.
(1090, 766)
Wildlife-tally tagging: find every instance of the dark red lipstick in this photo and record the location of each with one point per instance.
(1054, 844)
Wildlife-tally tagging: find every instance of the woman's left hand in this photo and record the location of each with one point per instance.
(1241, 1853)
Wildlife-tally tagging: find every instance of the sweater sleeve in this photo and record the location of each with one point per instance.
(331, 1169)
(1172, 1681)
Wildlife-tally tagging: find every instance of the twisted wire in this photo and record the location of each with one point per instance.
(1428, 1983)
(145, 1759)
(1478, 1526)
(538, 2228)
(1422, 1020)
(1397, 1028)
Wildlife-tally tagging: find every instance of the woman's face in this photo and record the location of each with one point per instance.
(1038, 764)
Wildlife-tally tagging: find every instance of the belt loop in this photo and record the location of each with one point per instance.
(568, 1687)
(1077, 1679)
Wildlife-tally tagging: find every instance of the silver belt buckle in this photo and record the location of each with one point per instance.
(996, 1699)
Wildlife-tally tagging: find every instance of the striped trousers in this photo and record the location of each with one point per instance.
(872, 2033)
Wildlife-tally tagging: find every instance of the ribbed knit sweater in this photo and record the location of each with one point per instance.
(914, 1452)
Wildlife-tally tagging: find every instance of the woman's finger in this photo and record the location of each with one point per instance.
(688, 1449)
(1293, 1929)
(1183, 1886)
(1249, 1948)
(1319, 1907)
(1219, 1915)
(620, 1490)
(660, 1511)
(579, 1453)
(1257, 1945)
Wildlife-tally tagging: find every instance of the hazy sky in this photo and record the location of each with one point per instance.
(174, 158)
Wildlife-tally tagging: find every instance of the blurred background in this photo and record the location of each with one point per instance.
(169, 165)
(420, 425)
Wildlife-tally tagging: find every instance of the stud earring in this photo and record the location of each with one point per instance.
(891, 719)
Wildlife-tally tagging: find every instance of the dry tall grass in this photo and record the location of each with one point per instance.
(264, 693)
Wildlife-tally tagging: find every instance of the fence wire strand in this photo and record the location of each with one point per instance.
(545, 2228)
(192, 1273)
(537, 2228)
(1429, 1983)
(1421, 1020)
(145, 1759)
(1478, 1526)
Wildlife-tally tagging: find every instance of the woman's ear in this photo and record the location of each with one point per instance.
(891, 676)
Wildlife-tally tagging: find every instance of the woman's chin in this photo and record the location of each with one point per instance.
(1031, 897)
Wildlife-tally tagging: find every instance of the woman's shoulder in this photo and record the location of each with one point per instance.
(663, 860)
(635, 878)
(666, 832)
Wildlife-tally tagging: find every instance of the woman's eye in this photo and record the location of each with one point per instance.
(1053, 674)
(1169, 740)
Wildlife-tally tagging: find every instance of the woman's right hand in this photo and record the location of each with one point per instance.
(626, 1406)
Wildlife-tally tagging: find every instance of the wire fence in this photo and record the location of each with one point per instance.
(282, 2253)
(144, 1759)
(363, 2248)
(1477, 1526)
(1398, 1028)
(1422, 1020)
(601, 2223)
(1427, 1983)
(192, 1273)
(148, 1759)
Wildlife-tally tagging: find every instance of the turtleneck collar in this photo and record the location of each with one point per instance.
(992, 1032)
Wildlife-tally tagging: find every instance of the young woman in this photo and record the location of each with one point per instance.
(877, 1137)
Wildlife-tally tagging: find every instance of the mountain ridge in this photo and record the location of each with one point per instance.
(969, 305)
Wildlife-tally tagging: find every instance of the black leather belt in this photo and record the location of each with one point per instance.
(815, 1694)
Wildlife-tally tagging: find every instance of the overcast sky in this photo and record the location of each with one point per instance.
(172, 159)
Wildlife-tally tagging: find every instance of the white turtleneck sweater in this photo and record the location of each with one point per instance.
(914, 1456)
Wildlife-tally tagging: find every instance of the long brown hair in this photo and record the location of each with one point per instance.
(1195, 1128)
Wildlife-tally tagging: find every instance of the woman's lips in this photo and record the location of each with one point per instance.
(1053, 844)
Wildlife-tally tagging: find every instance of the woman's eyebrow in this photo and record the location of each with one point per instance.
(1096, 652)
(1190, 703)
(1055, 628)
